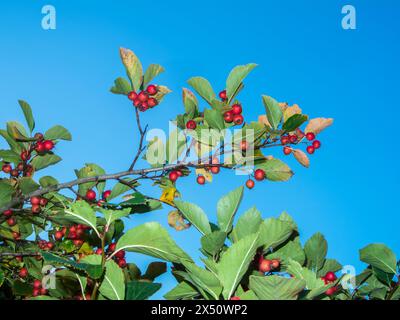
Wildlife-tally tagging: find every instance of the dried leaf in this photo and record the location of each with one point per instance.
(168, 195)
(283, 106)
(264, 120)
(176, 221)
(318, 124)
(301, 157)
(290, 111)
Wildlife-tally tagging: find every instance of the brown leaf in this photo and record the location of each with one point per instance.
(318, 124)
(264, 120)
(176, 221)
(301, 157)
(283, 106)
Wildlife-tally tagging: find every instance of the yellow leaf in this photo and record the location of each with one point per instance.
(168, 195)
(301, 157)
(290, 111)
(283, 106)
(264, 120)
(318, 124)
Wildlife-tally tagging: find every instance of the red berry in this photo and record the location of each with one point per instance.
(179, 173)
(191, 125)
(14, 173)
(285, 140)
(106, 194)
(91, 195)
(275, 263)
(152, 102)
(111, 247)
(228, 116)
(78, 242)
(145, 106)
(238, 119)
(259, 174)
(48, 145)
(215, 169)
(39, 148)
(25, 155)
(223, 95)
(310, 149)
(23, 273)
(310, 136)
(132, 95)
(237, 109)
(36, 209)
(173, 176)
(137, 102)
(35, 292)
(37, 284)
(43, 291)
(201, 180)
(316, 144)
(234, 298)
(35, 200)
(151, 89)
(142, 97)
(287, 150)
(8, 213)
(331, 291)
(244, 145)
(43, 202)
(293, 138)
(250, 184)
(50, 245)
(122, 263)
(265, 266)
(20, 166)
(120, 254)
(38, 136)
(6, 168)
(99, 251)
(58, 235)
(11, 221)
(330, 276)
(16, 235)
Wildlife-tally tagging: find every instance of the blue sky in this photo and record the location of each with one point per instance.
(305, 57)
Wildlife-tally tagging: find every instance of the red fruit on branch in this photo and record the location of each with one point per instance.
(39, 148)
(132, 95)
(122, 263)
(234, 298)
(151, 89)
(43, 202)
(91, 195)
(38, 136)
(152, 102)
(11, 221)
(316, 144)
(250, 184)
(43, 291)
(20, 167)
(244, 145)
(14, 173)
(259, 174)
(310, 149)
(265, 266)
(48, 145)
(99, 251)
(142, 97)
(137, 102)
(330, 276)
(35, 200)
(106, 194)
(222, 95)
(50, 245)
(293, 138)
(191, 125)
(275, 263)
(287, 150)
(285, 140)
(36, 292)
(173, 176)
(58, 235)
(111, 247)
(331, 291)
(215, 169)
(37, 284)
(16, 235)
(228, 116)
(120, 254)
(310, 136)
(23, 273)
(25, 155)
(201, 180)
(78, 242)
(6, 168)
(238, 119)
(237, 109)
(7, 213)
(36, 209)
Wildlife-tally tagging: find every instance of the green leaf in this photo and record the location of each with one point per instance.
(133, 67)
(92, 270)
(152, 71)
(112, 215)
(27, 110)
(276, 170)
(273, 111)
(140, 290)
(182, 291)
(14, 145)
(152, 239)
(10, 156)
(121, 86)
(204, 279)
(83, 213)
(214, 119)
(190, 102)
(58, 133)
(310, 277)
(2, 277)
(27, 185)
(113, 285)
(248, 295)
(235, 262)
(291, 250)
(6, 192)
(203, 88)
(276, 288)
(213, 242)
(154, 270)
(379, 256)
(195, 215)
(248, 223)
(47, 181)
(44, 161)
(235, 78)
(274, 232)
(316, 248)
(227, 207)
(329, 265)
(121, 188)
(17, 131)
(294, 122)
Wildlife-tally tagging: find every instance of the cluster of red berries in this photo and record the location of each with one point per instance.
(75, 233)
(235, 113)
(295, 138)
(119, 257)
(42, 146)
(330, 277)
(259, 175)
(144, 100)
(91, 196)
(45, 245)
(37, 204)
(174, 175)
(266, 265)
(38, 290)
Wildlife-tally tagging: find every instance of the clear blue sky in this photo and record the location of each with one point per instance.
(350, 193)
